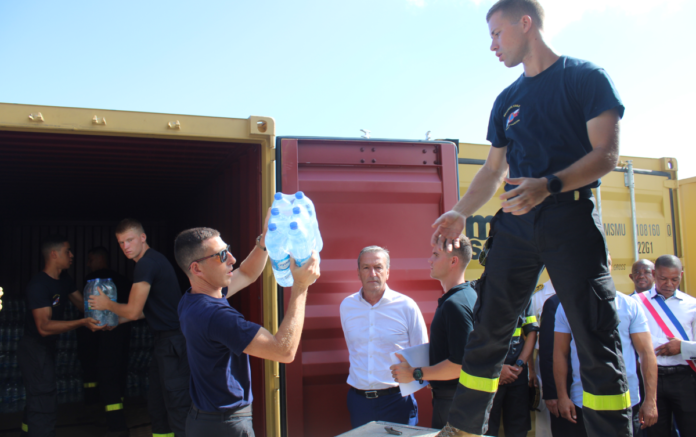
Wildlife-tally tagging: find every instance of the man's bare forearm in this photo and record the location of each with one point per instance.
(124, 310)
(560, 374)
(482, 188)
(528, 347)
(56, 327)
(443, 371)
(290, 330)
(648, 368)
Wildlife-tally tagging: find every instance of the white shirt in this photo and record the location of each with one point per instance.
(373, 332)
(632, 320)
(538, 300)
(683, 307)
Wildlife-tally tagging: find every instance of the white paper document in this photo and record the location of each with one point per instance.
(417, 356)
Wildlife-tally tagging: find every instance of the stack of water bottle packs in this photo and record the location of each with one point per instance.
(141, 345)
(293, 230)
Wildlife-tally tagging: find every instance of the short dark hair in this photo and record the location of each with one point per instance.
(127, 224)
(516, 9)
(52, 242)
(189, 246)
(669, 261)
(99, 251)
(464, 252)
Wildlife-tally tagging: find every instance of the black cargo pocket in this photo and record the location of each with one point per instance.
(176, 367)
(602, 308)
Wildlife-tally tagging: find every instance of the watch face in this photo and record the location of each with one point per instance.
(555, 185)
(418, 374)
(520, 363)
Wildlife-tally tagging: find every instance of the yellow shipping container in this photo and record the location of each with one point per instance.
(687, 195)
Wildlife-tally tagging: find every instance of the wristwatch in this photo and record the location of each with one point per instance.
(258, 242)
(554, 185)
(418, 374)
(519, 363)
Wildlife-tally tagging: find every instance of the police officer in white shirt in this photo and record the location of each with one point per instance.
(542, 424)
(676, 383)
(377, 321)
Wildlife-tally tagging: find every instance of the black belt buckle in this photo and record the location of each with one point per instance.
(392, 431)
(372, 394)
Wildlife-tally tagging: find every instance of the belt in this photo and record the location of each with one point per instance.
(244, 411)
(673, 370)
(570, 196)
(374, 394)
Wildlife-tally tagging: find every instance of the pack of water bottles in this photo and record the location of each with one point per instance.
(293, 230)
(93, 287)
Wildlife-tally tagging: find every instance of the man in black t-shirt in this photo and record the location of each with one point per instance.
(554, 133)
(155, 296)
(104, 355)
(449, 331)
(46, 298)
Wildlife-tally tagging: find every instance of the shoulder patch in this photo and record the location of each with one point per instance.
(539, 287)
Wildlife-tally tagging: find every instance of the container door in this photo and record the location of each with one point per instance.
(366, 192)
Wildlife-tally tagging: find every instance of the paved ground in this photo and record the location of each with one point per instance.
(77, 420)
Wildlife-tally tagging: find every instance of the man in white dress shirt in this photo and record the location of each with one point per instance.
(676, 381)
(377, 321)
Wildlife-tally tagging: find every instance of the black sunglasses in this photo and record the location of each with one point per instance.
(222, 254)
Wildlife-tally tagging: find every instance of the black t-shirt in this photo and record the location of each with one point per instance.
(452, 323)
(123, 284)
(162, 302)
(44, 291)
(543, 119)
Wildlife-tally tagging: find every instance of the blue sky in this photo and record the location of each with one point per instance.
(322, 68)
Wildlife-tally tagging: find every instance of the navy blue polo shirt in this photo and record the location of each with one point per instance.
(543, 119)
(216, 336)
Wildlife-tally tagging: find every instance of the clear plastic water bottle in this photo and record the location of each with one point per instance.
(281, 202)
(280, 220)
(109, 288)
(276, 242)
(300, 246)
(86, 293)
(304, 202)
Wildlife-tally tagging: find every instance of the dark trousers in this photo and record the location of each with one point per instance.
(561, 427)
(513, 400)
(566, 236)
(168, 398)
(389, 408)
(36, 360)
(104, 359)
(201, 423)
(676, 395)
(442, 401)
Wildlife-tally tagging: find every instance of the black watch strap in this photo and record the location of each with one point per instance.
(553, 184)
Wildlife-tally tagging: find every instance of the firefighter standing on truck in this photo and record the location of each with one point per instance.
(556, 130)
(155, 295)
(46, 298)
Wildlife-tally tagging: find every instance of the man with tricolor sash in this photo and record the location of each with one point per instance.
(672, 321)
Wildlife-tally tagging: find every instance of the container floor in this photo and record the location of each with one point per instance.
(77, 420)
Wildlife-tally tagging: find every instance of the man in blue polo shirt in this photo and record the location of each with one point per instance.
(218, 338)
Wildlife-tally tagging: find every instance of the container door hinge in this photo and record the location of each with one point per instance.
(99, 121)
(36, 117)
(174, 125)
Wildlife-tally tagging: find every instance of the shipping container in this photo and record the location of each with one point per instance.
(655, 208)
(78, 172)
(687, 195)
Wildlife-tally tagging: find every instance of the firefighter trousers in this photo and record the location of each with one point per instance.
(565, 234)
(36, 359)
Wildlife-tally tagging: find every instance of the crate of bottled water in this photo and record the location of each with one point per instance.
(93, 287)
(293, 230)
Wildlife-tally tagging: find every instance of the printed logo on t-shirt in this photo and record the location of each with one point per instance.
(512, 118)
(56, 299)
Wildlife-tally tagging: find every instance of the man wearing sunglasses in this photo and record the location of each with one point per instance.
(155, 295)
(220, 340)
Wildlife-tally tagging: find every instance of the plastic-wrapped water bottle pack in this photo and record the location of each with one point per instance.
(293, 230)
(107, 287)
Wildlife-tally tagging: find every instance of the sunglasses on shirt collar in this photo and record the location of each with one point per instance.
(222, 254)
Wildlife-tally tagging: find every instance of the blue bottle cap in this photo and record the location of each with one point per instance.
(278, 196)
(293, 225)
(275, 211)
(299, 195)
(272, 227)
(296, 210)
